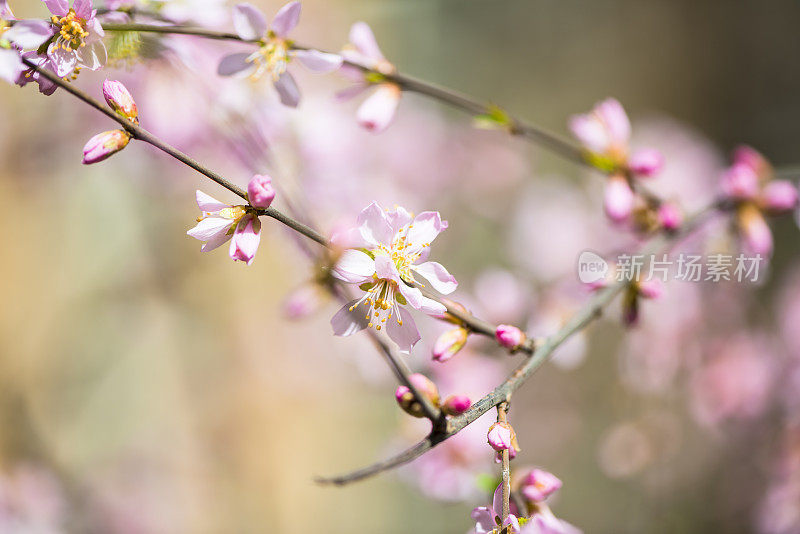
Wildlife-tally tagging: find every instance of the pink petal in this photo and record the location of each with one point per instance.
(740, 181)
(286, 19)
(354, 267)
(374, 225)
(386, 269)
(29, 33)
(92, 56)
(619, 199)
(431, 307)
(320, 62)
(249, 22)
(83, 8)
(377, 111)
(398, 218)
(441, 280)
(646, 162)
(234, 64)
(780, 196)
(216, 241)
(346, 322)
(350, 92)
(406, 334)
(484, 517)
(63, 60)
(497, 500)
(363, 39)
(287, 90)
(57, 7)
(424, 229)
(246, 239)
(615, 120)
(11, 66)
(590, 132)
(209, 204)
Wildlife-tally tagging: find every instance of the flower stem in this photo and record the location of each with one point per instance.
(502, 417)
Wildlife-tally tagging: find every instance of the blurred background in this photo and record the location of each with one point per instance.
(146, 387)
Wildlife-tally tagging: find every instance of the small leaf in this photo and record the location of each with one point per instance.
(599, 161)
(374, 77)
(494, 118)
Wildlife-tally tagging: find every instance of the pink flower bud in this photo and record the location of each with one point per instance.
(449, 343)
(456, 404)
(740, 182)
(539, 485)
(378, 110)
(651, 289)
(750, 157)
(780, 196)
(303, 301)
(509, 336)
(260, 192)
(670, 216)
(103, 145)
(646, 162)
(120, 100)
(405, 398)
(501, 437)
(618, 200)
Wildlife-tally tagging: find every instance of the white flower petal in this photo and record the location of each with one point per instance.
(320, 62)
(249, 22)
(234, 64)
(208, 203)
(363, 39)
(441, 280)
(346, 322)
(374, 225)
(406, 334)
(29, 33)
(286, 19)
(426, 226)
(209, 228)
(287, 90)
(354, 267)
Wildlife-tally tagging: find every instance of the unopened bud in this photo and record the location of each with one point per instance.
(405, 398)
(509, 336)
(670, 216)
(501, 436)
(449, 343)
(456, 404)
(646, 162)
(103, 145)
(260, 192)
(120, 100)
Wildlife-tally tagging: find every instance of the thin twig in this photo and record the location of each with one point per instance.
(502, 415)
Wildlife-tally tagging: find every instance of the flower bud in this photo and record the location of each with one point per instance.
(509, 336)
(501, 436)
(539, 485)
(618, 199)
(405, 398)
(120, 100)
(646, 162)
(740, 182)
(750, 157)
(456, 404)
(260, 192)
(498, 456)
(245, 240)
(103, 145)
(669, 216)
(449, 343)
(780, 196)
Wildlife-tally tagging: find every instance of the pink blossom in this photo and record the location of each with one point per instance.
(378, 110)
(79, 42)
(449, 343)
(652, 288)
(740, 182)
(538, 485)
(544, 522)
(509, 336)
(120, 100)
(104, 145)
(275, 50)
(260, 192)
(220, 222)
(396, 245)
(456, 404)
(605, 130)
(501, 436)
